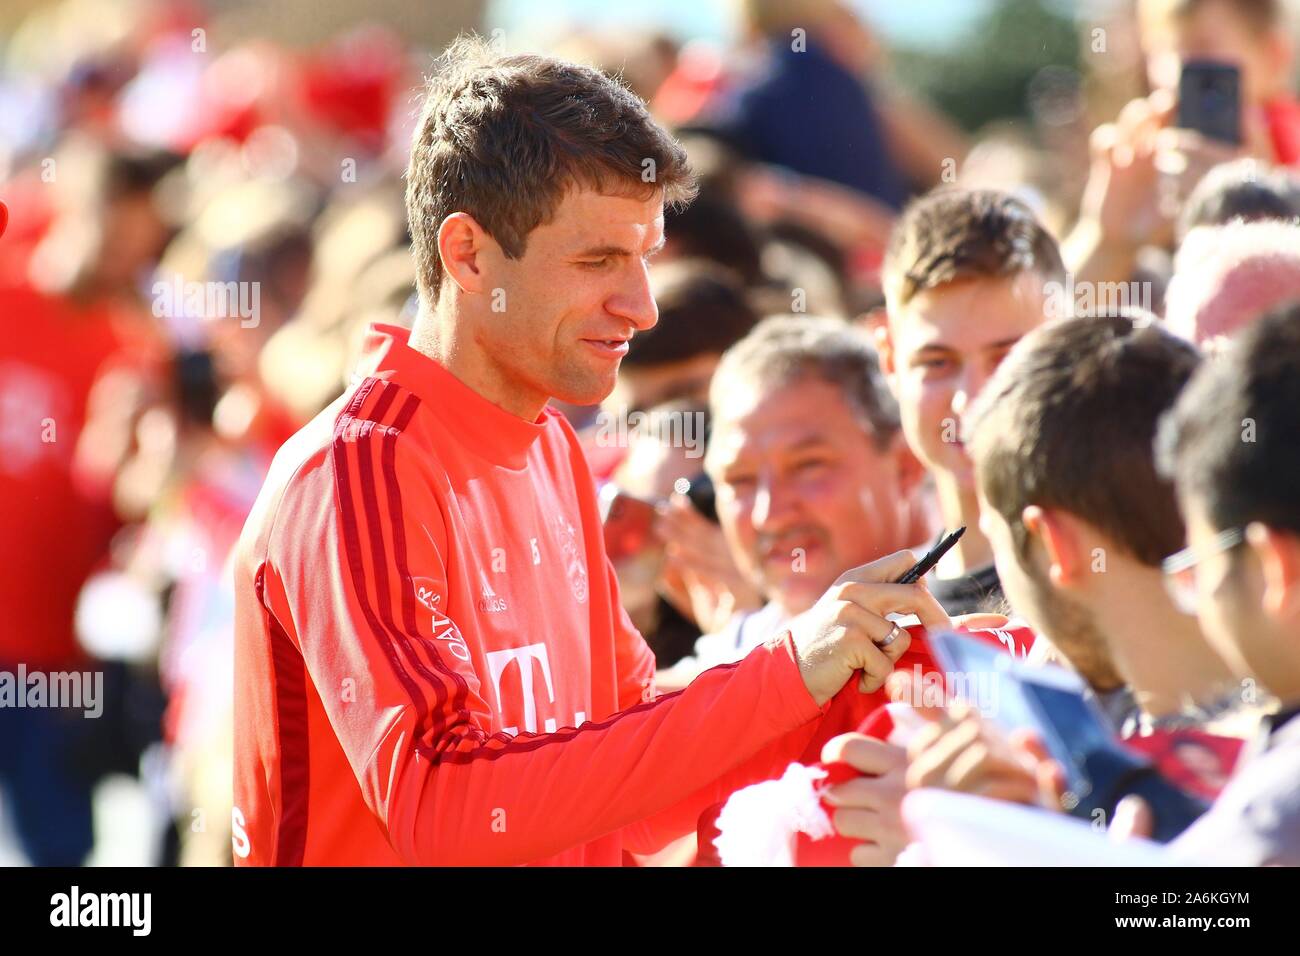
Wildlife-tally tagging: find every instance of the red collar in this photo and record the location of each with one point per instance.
(482, 426)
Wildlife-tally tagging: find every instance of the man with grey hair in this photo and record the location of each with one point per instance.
(811, 471)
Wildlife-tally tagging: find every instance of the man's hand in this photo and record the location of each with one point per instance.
(1141, 171)
(841, 633)
(1132, 818)
(866, 807)
(957, 750)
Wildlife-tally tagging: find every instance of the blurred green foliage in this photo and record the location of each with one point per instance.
(984, 76)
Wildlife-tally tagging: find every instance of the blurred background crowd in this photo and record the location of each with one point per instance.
(149, 148)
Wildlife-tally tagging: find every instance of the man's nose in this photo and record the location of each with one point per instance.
(968, 389)
(772, 511)
(634, 302)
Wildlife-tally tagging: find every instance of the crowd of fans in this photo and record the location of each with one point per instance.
(199, 238)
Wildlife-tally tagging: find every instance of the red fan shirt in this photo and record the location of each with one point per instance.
(52, 533)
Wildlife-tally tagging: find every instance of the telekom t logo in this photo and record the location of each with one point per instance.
(498, 661)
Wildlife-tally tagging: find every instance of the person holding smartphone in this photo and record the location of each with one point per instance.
(1210, 65)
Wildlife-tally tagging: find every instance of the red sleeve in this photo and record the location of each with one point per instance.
(653, 834)
(415, 727)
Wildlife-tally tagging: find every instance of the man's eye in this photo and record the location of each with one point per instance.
(934, 363)
(596, 263)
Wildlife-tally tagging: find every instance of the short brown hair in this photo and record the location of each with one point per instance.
(1069, 421)
(952, 234)
(503, 137)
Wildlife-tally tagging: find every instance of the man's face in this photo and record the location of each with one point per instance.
(803, 492)
(940, 349)
(1214, 31)
(1069, 624)
(559, 317)
(1227, 599)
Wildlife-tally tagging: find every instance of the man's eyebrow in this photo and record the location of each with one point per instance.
(605, 250)
(613, 250)
(1002, 344)
(807, 442)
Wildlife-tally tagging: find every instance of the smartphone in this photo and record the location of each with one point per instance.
(1209, 100)
(627, 521)
(1099, 769)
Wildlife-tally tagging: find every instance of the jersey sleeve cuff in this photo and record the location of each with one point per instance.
(794, 702)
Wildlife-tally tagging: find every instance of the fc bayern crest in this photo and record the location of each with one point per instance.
(574, 563)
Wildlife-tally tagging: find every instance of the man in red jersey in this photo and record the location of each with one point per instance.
(432, 666)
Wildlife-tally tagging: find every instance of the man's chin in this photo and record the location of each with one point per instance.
(584, 389)
(957, 463)
(794, 591)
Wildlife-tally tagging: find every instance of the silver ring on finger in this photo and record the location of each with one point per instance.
(895, 632)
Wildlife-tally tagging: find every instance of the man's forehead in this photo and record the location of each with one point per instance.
(971, 315)
(752, 419)
(585, 215)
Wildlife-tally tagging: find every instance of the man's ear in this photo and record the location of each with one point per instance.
(461, 242)
(1062, 541)
(1279, 560)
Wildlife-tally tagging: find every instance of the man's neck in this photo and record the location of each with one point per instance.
(960, 508)
(444, 337)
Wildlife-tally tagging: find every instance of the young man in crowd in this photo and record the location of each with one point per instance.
(1252, 35)
(432, 664)
(1143, 167)
(1230, 447)
(966, 275)
(1078, 518)
(811, 472)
